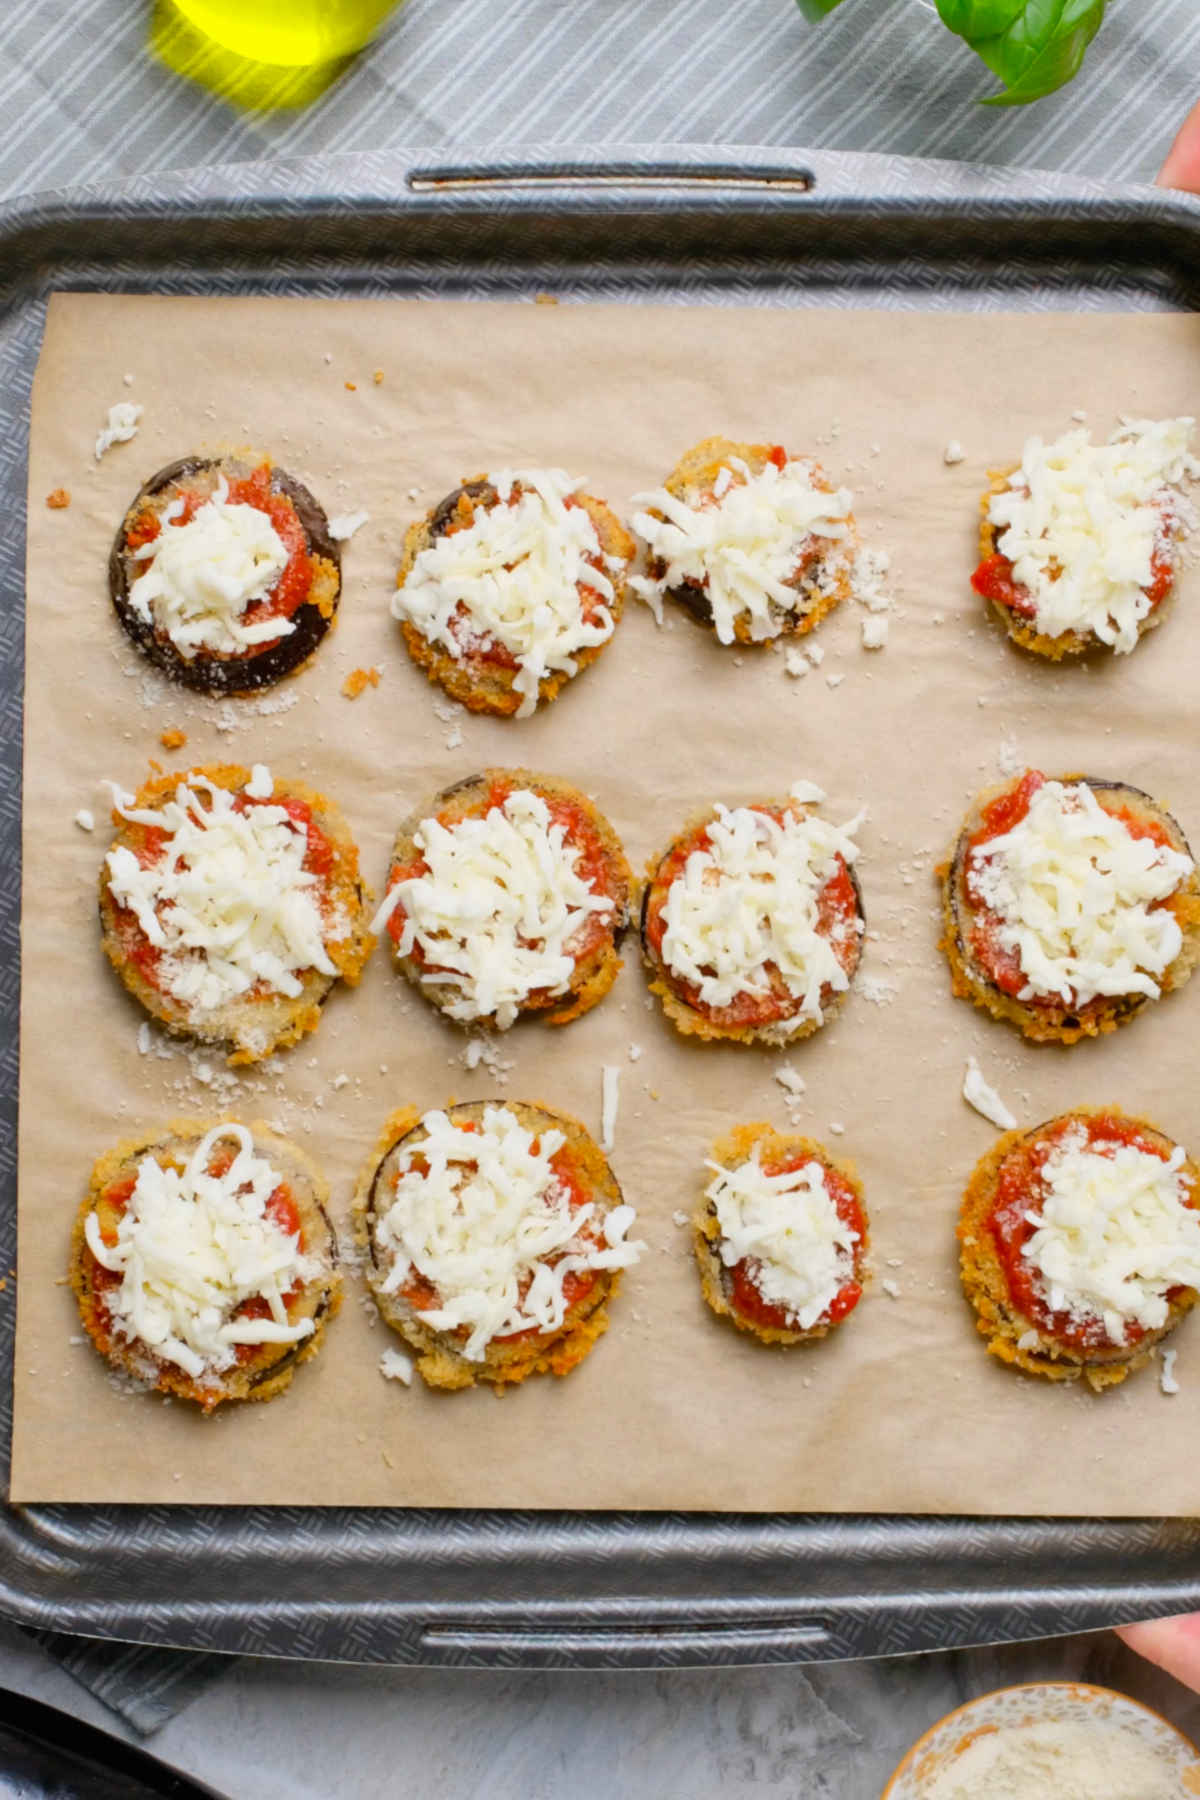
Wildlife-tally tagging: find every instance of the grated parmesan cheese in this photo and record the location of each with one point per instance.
(1078, 898)
(85, 819)
(482, 1216)
(513, 577)
(228, 901)
(1166, 1377)
(1114, 1233)
(1081, 524)
(1066, 1759)
(748, 903)
(788, 1226)
(498, 909)
(202, 576)
(745, 543)
(191, 1247)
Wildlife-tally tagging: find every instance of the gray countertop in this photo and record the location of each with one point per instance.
(83, 102)
(274, 1731)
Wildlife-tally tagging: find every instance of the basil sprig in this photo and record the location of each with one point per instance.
(1032, 46)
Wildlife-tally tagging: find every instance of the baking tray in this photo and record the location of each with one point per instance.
(746, 227)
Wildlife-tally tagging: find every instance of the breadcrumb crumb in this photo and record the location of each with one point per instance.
(59, 498)
(358, 681)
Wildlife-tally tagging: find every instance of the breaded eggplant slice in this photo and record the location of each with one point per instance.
(481, 670)
(749, 1019)
(1011, 607)
(733, 1291)
(249, 1026)
(824, 568)
(1019, 1327)
(439, 1353)
(305, 595)
(601, 863)
(260, 1371)
(1048, 1020)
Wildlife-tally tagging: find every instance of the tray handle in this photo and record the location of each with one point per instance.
(667, 173)
(623, 1643)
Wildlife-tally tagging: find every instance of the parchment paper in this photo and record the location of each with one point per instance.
(901, 1409)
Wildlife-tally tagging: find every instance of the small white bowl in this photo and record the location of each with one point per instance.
(1037, 1703)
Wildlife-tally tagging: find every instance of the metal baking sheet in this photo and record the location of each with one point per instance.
(752, 228)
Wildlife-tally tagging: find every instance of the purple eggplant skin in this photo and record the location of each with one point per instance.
(222, 675)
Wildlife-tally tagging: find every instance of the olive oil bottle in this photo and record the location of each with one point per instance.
(292, 33)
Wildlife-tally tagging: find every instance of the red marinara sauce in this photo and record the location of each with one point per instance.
(480, 647)
(1020, 1189)
(837, 920)
(422, 1295)
(592, 865)
(295, 582)
(149, 844)
(1001, 964)
(994, 578)
(745, 1295)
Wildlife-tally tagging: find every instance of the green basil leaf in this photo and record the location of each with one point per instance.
(1033, 46)
(816, 10)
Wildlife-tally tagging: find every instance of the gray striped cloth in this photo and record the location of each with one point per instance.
(81, 102)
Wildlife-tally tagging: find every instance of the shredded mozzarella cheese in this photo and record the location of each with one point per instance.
(498, 909)
(120, 426)
(482, 1216)
(228, 903)
(1079, 898)
(749, 903)
(743, 543)
(202, 576)
(513, 577)
(788, 1226)
(1114, 1233)
(191, 1247)
(983, 1097)
(1080, 523)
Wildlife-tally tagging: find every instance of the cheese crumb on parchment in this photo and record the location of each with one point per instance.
(1166, 1379)
(984, 1098)
(345, 525)
(395, 1365)
(482, 1216)
(120, 426)
(610, 1095)
(85, 819)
